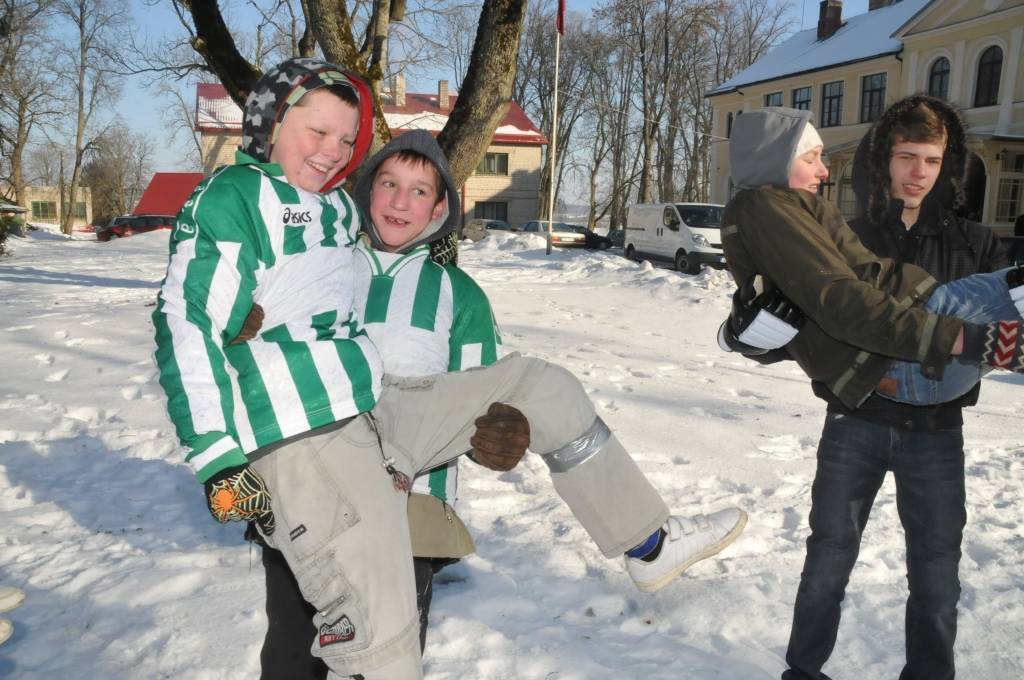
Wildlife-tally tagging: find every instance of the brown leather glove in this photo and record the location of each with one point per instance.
(501, 438)
(251, 326)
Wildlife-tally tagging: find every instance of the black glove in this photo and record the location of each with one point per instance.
(238, 494)
(501, 438)
(762, 319)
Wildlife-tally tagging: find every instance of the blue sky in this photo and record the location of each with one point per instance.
(159, 20)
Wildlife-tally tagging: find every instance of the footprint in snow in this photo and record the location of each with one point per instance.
(13, 329)
(60, 334)
(44, 359)
(57, 376)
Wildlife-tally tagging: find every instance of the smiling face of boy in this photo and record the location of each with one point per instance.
(314, 142)
(404, 198)
(913, 169)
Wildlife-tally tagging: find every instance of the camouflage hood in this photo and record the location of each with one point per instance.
(282, 87)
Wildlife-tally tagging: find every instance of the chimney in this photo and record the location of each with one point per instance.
(830, 18)
(442, 95)
(878, 4)
(398, 90)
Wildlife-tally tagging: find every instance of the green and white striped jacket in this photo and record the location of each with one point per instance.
(246, 235)
(425, 319)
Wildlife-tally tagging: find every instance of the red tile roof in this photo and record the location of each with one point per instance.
(167, 192)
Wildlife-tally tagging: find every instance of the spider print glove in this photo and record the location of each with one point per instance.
(238, 494)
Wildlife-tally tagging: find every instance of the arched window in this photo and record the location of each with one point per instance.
(938, 78)
(986, 92)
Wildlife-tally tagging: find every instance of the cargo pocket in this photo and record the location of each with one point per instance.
(311, 505)
(342, 626)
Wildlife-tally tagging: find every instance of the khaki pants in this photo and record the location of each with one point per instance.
(343, 527)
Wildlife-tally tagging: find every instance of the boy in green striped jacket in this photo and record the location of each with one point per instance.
(300, 430)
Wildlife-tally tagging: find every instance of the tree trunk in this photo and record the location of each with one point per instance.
(214, 42)
(487, 90)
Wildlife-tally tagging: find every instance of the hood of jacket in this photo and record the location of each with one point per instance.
(284, 85)
(871, 179)
(763, 144)
(423, 143)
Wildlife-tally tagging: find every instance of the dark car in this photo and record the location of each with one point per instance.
(126, 225)
(596, 241)
(617, 237)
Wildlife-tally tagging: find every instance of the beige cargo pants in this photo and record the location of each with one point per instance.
(343, 527)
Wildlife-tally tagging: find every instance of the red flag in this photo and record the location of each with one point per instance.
(560, 18)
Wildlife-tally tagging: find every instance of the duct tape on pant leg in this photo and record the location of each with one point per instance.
(579, 450)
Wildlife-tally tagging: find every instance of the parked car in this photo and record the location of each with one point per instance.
(562, 233)
(687, 235)
(617, 237)
(126, 225)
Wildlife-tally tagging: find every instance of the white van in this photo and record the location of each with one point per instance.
(686, 234)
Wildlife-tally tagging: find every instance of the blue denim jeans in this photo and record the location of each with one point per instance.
(853, 458)
(977, 299)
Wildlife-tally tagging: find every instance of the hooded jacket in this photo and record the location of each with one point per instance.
(862, 310)
(945, 245)
(246, 235)
(426, 318)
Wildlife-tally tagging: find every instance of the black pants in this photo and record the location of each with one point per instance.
(928, 467)
(290, 631)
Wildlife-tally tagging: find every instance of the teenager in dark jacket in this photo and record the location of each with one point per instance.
(921, 445)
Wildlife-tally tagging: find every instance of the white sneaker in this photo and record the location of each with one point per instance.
(5, 630)
(10, 597)
(688, 540)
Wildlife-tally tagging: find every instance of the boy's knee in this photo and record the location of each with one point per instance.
(554, 402)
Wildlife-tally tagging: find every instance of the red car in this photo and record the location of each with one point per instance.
(126, 225)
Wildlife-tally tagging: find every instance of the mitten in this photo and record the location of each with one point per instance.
(251, 326)
(501, 438)
(762, 317)
(238, 494)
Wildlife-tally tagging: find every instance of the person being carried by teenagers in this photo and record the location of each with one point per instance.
(863, 310)
(299, 429)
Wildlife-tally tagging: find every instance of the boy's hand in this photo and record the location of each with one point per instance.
(501, 438)
(238, 494)
(762, 318)
(251, 326)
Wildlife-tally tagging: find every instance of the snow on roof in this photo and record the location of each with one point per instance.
(422, 112)
(215, 110)
(861, 37)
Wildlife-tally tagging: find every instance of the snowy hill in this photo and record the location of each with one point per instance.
(128, 577)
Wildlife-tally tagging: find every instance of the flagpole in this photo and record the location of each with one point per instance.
(554, 145)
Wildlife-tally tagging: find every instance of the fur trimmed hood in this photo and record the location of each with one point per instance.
(871, 180)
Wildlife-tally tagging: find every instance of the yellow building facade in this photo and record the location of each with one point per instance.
(966, 51)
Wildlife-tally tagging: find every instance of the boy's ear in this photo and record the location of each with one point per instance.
(439, 208)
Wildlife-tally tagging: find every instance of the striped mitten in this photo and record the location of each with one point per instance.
(995, 344)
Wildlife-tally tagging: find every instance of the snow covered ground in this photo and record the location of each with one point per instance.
(128, 577)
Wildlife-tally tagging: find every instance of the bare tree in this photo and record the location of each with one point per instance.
(86, 80)
(26, 83)
(118, 168)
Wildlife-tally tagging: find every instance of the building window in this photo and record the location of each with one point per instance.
(938, 78)
(491, 210)
(44, 210)
(773, 99)
(847, 199)
(728, 124)
(832, 104)
(1010, 198)
(493, 164)
(802, 98)
(1008, 202)
(79, 210)
(872, 97)
(986, 92)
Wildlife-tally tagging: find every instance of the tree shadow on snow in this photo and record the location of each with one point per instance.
(31, 275)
